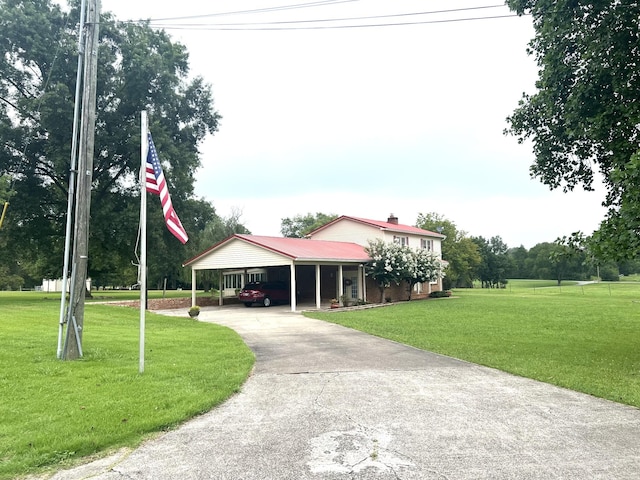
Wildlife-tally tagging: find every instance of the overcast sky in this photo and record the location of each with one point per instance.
(368, 121)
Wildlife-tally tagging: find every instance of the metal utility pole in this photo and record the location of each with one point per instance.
(79, 258)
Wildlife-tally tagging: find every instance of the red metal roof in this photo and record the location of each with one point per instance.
(306, 249)
(299, 249)
(383, 225)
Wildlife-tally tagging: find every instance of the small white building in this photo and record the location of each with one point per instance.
(55, 285)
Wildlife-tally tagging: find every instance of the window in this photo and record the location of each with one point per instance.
(233, 280)
(256, 277)
(426, 244)
(404, 241)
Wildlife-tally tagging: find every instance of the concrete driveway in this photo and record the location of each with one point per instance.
(326, 402)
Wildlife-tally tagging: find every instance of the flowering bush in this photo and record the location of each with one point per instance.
(424, 266)
(394, 263)
(388, 262)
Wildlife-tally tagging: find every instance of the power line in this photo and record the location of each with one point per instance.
(319, 3)
(327, 27)
(345, 19)
(312, 24)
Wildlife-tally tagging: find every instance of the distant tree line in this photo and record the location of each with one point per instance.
(491, 261)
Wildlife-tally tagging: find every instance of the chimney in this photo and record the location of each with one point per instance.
(392, 219)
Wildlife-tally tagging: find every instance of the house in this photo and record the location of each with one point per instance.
(361, 231)
(329, 263)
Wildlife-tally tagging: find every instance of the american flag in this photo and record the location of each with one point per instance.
(156, 184)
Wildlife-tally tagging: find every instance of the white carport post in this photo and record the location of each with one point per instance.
(221, 288)
(293, 286)
(318, 299)
(340, 283)
(193, 287)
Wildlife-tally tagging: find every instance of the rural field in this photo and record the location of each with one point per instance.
(582, 337)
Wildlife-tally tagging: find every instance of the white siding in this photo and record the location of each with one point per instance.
(414, 240)
(437, 246)
(348, 231)
(240, 254)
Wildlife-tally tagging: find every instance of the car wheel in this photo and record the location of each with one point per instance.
(266, 302)
(247, 304)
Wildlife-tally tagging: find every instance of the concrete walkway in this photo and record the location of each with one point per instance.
(326, 402)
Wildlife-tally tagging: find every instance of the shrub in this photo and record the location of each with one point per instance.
(440, 294)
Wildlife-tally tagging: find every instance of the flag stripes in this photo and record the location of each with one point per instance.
(156, 184)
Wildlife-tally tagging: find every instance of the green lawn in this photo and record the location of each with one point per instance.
(116, 295)
(103, 295)
(55, 412)
(586, 338)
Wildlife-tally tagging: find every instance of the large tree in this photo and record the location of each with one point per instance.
(457, 249)
(584, 117)
(518, 262)
(300, 225)
(10, 272)
(495, 262)
(138, 68)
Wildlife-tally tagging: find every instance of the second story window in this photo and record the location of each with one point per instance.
(404, 241)
(426, 244)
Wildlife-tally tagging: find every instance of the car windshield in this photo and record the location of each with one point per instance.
(252, 286)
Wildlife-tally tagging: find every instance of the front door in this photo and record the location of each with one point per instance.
(351, 287)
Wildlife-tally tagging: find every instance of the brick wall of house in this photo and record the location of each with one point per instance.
(397, 293)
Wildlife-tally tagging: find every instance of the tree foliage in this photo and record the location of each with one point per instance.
(215, 231)
(395, 263)
(495, 264)
(388, 261)
(584, 117)
(300, 225)
(12, 275)
(138, 68)
(422, 266)
(457, 249)
(221, 228)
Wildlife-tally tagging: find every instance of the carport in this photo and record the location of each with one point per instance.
(312, 268)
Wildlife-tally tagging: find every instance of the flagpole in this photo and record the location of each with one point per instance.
(142, 268)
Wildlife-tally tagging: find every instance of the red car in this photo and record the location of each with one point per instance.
(265, 293)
